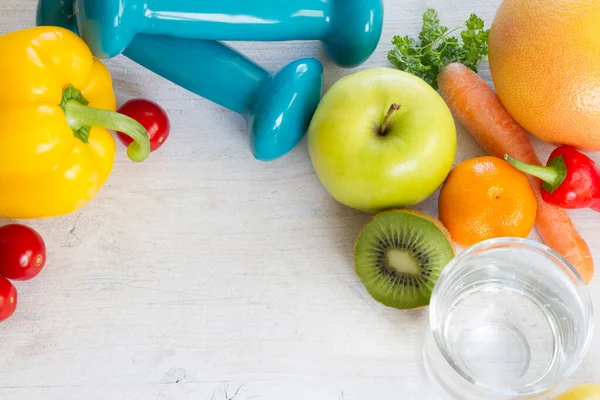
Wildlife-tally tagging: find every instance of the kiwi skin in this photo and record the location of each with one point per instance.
(409, 298)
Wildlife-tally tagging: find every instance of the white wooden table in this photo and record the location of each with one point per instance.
(205, 274)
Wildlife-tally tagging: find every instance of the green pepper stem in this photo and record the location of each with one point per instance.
(551, 175)
(79, 115)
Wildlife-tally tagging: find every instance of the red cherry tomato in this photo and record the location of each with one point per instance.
(8, 299)
(22, 252)
(151, 116)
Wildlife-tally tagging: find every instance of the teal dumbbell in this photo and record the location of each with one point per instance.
(349, 29)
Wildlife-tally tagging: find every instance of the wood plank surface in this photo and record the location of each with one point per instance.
(205, 274)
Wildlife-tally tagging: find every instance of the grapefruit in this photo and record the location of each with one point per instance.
(545, 64)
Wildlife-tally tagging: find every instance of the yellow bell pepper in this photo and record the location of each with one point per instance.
(56, 106)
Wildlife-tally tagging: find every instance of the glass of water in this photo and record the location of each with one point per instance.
(509, 319)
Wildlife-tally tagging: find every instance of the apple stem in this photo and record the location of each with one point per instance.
(393, 108)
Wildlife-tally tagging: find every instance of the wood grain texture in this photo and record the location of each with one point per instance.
(205, 274)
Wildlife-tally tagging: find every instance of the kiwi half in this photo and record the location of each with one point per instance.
(399, 255)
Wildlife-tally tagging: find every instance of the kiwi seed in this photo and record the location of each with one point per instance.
(399, 255)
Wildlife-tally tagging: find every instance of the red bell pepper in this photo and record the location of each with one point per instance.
(570, 178)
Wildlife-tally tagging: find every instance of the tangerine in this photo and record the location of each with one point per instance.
(485, 198)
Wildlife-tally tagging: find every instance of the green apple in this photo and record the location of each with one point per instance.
(380, 139)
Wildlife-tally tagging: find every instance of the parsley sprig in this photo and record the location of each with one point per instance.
(436, 47)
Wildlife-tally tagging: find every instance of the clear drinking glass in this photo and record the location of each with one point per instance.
(509, 319)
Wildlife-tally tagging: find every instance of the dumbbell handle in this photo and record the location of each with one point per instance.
(238, 19)
(207, 68)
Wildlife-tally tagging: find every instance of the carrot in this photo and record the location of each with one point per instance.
(479, 110)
